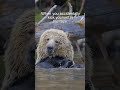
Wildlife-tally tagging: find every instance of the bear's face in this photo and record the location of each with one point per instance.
(54, 42)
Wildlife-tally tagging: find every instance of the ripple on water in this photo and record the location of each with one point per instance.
(60, 79)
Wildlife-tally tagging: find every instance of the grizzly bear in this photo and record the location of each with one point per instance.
(53, 43)
(19, 55)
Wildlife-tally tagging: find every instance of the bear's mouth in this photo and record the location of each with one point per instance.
(50, 54)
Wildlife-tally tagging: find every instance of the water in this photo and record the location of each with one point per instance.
(60, 79)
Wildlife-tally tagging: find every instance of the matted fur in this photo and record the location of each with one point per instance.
(64, 49)
(17, 52)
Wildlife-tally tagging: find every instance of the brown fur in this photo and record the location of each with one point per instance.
(17, 52)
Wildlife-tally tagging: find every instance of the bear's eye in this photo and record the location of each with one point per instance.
(47, 39)
(56, 42)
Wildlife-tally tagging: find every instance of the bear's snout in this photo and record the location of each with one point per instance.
(50, 47)
(50, 50)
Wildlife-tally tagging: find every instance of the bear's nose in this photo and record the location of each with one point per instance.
(49, 48)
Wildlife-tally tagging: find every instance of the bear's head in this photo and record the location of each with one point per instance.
(54, 42)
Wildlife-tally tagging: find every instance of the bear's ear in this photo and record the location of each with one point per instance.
(68, 35)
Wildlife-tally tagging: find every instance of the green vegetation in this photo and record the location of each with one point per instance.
(38, 16)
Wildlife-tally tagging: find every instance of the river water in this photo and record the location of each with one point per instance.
(60, 79)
